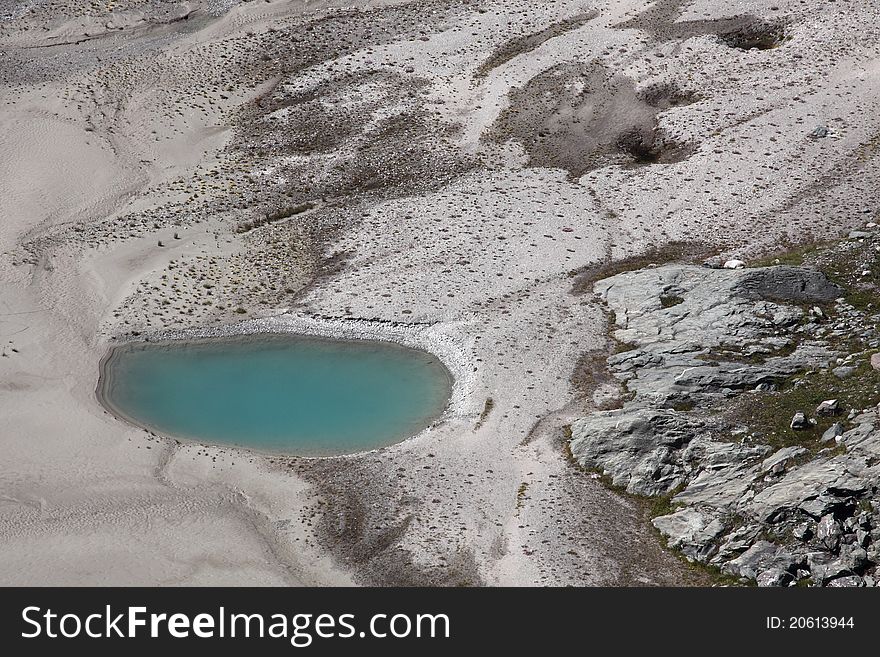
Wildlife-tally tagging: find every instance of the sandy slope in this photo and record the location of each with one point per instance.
(84, 498)
(464, 162)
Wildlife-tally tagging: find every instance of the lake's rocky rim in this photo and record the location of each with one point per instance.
(744, 403)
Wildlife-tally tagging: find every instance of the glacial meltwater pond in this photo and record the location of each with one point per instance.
(293, 394)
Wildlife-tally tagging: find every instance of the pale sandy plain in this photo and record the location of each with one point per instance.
(461, 162)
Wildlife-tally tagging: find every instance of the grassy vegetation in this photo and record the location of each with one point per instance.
(521, 495)
(663, 505)
(272, 217)
(619, 346)
(590, 371)
(586, 277)
(857, 271)
(770, 413)
(487, 408)
(855, 267)
(794, 256)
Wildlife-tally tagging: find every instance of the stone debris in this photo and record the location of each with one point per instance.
(833, 432)
(799, 421)
(828, 407)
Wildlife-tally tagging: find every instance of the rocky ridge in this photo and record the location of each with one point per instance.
(747, 398)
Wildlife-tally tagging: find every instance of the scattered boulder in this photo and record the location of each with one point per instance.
(803, 532)
(799, 421)
(844, 371)
(734, 264)
(820, 505)
(854, 558)
(774, 577)
(763, 556)
(829, 532)
(832, 433)
(737, 542)
(691, 531)
(784, 283)
(636, 449)
(828, 407)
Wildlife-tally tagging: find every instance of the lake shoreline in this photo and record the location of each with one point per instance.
(245, 332)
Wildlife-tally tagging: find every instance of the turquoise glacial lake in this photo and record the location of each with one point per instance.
(292, 394)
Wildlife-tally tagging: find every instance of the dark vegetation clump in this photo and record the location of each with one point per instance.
(274, 216)
(754, 35)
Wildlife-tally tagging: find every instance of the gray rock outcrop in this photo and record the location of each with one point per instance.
(775, 515)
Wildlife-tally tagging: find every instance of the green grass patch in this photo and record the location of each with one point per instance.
(720, 354)
(521, 495)
(586, 277)
(769, 414)
(794, 256)
(274, 216)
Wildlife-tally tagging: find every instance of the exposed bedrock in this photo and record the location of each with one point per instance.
(794, 284)
(697, 346)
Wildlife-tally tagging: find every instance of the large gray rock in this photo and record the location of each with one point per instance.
(782, 457)
(637, 449)
(720, 488)
(762, 556)
(825, 567)
(795, 284)
(774, 577)
(807, 482)
(829, 532)
(799, 421)
(821, 505)
(692, 531)
(832, 432)
(737, 542)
